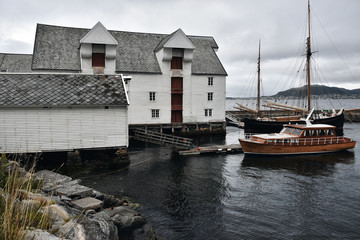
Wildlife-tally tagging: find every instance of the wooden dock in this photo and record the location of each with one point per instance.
(162, 139)
(233, 148)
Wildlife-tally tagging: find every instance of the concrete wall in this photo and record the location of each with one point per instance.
(62, 129)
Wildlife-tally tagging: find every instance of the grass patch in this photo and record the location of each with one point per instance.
(18, 210)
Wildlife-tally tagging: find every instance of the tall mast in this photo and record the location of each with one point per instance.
(258, 85)
(308, 58)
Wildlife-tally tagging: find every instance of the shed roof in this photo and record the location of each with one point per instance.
(15, 62)
(58, 48)
(20, 90)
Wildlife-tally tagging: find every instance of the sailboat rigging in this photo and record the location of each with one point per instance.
(272, 125)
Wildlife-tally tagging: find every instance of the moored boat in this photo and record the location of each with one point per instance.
(297, 139)
(263, 124)
(273, 125)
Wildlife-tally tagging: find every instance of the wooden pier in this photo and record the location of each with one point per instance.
(162, 138)
(233, 148)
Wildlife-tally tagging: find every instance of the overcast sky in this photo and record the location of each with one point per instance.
(236, 25)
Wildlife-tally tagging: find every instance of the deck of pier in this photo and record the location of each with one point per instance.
(233, 148)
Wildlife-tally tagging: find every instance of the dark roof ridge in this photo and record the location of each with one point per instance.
(122, 31)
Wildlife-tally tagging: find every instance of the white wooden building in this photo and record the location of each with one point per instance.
(176, 80)
(62, 112)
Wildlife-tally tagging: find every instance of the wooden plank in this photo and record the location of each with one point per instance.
(162, 139)
(234, 148)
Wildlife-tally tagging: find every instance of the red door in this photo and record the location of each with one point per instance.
(176, 99)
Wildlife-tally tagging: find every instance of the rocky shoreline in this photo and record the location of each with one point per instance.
(80, 212)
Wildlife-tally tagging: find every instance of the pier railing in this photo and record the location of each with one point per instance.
(162, 138)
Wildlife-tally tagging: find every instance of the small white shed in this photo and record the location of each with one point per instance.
(62, 112)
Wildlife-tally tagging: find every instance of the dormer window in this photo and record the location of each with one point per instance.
(177, 58)
(98, 55)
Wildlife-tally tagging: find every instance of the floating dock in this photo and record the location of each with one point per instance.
(233, 148)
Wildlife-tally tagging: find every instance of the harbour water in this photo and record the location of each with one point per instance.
(234, 197)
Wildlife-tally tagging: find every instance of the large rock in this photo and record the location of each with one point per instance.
(57, 213)
(88, 203)
(73, 189)
(125, 218)
(40, 235)
(52, 177)
(100, 228)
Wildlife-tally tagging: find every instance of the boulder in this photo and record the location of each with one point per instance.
(57, 213)
(52, 177)
(100, 227)
(125, 218)
(73, 190)
(40, 235)
(88, 203)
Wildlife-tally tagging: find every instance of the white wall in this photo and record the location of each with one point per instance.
(194, 96)
(58, 129)
(195, 99)
(86, 59)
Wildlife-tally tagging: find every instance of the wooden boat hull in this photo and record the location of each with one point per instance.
(252, 147)
(261, 126)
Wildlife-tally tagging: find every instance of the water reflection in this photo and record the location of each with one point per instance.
(321, 164)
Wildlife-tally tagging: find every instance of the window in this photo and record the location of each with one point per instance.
(210, 96)
(176, 63)
(152, 96)
(210, 81)
(208, 112)
(98, 55)
(155, 113)
(297, 131)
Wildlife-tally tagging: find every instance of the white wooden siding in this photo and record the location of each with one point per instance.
(62, 129)
(195, 89)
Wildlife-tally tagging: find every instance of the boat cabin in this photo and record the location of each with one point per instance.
(316, 130)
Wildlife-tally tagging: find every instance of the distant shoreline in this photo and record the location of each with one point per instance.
(293, 97)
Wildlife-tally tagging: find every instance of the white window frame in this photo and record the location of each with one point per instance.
(208, 112)
(210, 81)
(152, 96)
(155, 113)
(210, 96)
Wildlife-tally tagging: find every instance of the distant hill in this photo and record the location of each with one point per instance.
(319, 91)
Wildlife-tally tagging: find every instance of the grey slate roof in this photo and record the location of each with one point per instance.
(61, 90)
(15, 62)
(58, 48)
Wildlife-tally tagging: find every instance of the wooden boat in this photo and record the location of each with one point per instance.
(275, 124)
(297, 139)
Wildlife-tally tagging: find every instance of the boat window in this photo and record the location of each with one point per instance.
(322, 132)
(297, 132)
(330, 132)
(307, 133)
(315, 132)
(287, 130)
